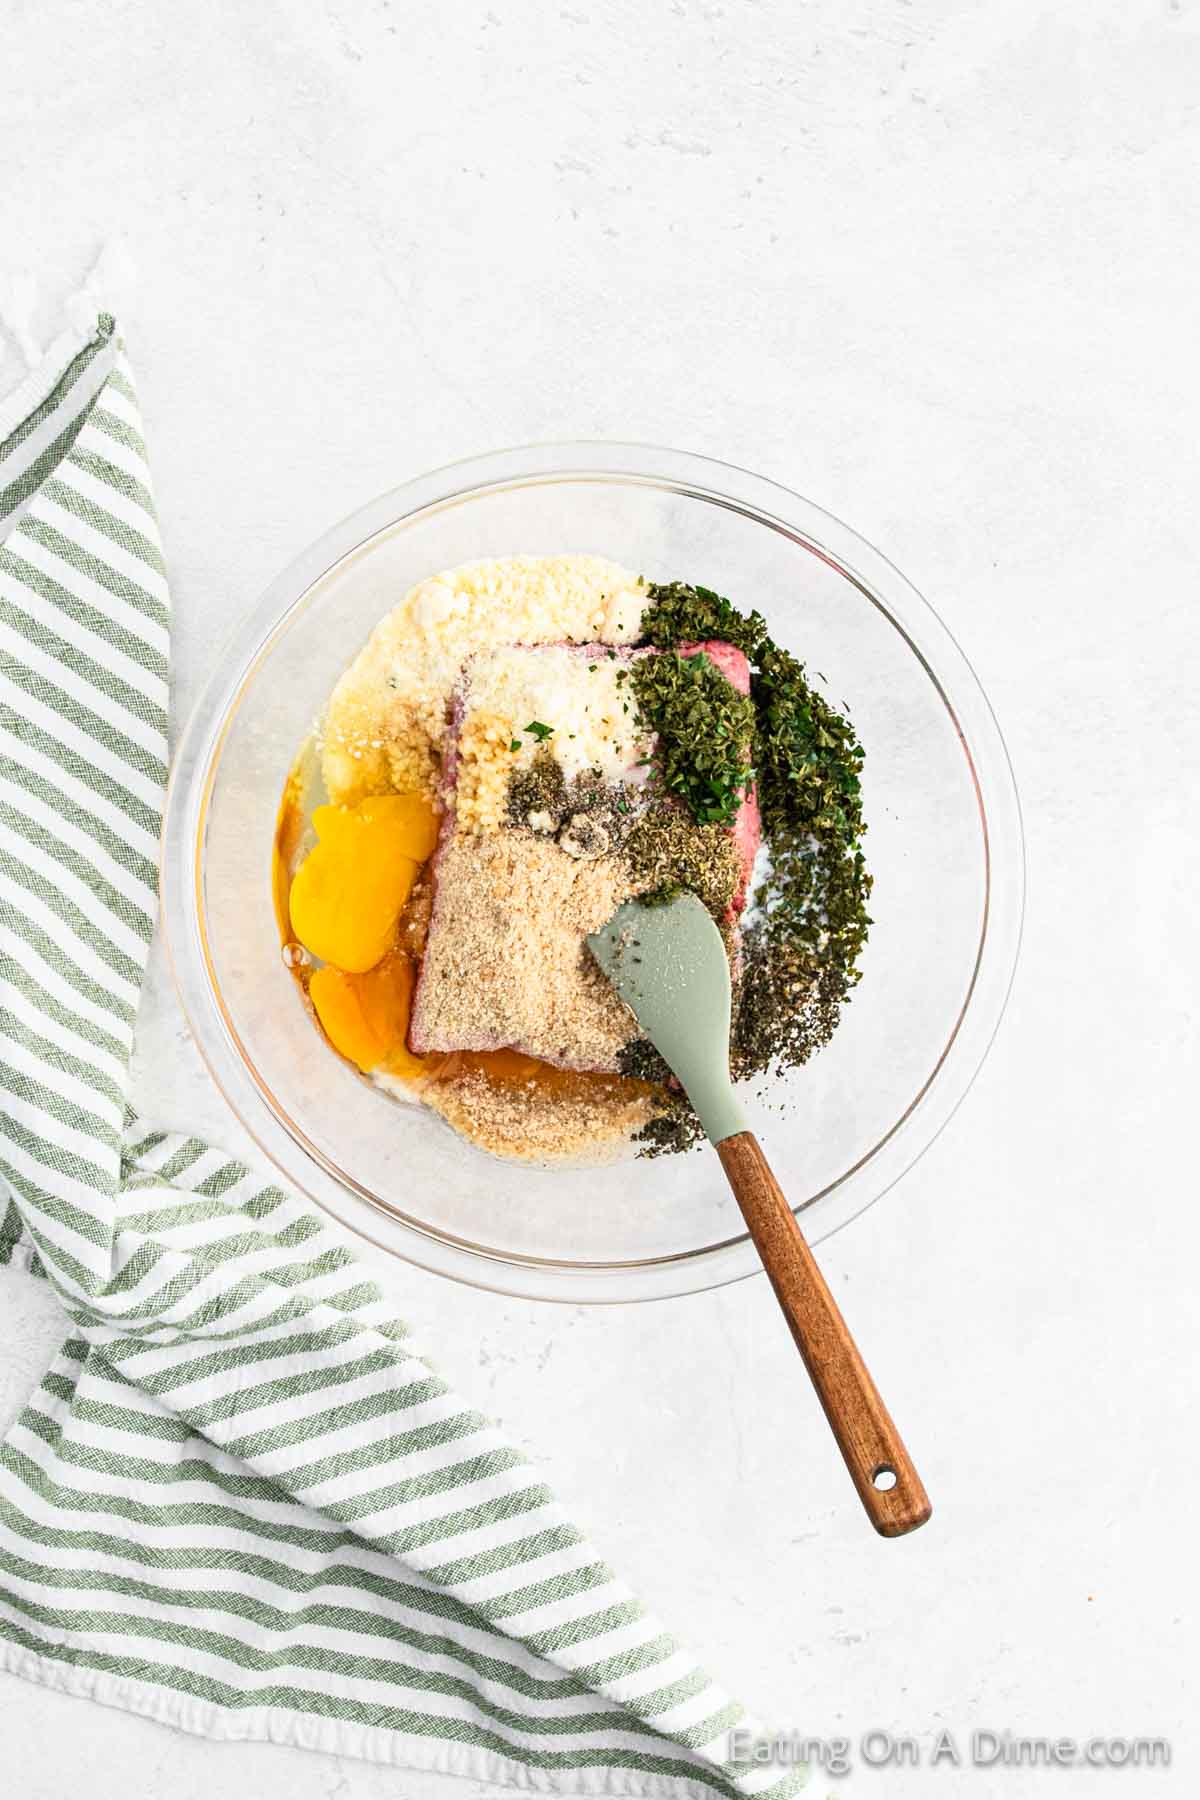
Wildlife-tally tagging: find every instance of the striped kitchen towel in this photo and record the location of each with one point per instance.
(241, 1501)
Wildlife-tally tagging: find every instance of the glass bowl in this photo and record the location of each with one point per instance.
(944, 843)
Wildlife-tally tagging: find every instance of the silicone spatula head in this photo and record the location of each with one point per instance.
(670, 966)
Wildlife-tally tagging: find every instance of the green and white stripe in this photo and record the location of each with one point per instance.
(241, 1501)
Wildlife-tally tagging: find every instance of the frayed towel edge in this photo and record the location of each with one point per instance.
(335, 1737)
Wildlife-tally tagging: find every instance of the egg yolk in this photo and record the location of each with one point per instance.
(349, 891)
(511, 1068)
(366, 1016)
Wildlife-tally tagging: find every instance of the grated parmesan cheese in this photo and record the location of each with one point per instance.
(386, 717)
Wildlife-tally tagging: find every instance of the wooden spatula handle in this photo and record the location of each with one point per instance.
(861, 1422)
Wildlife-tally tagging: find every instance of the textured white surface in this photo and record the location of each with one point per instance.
(935, 265)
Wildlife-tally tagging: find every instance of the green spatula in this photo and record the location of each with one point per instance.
(669, 965)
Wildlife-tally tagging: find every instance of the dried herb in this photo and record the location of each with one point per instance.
(673, 1129)
(674, 1126)
(786, 1005)
(539, 789)
(704, 728)
(682, 614)
(640, 1060)
(669, 854)
(802, 955)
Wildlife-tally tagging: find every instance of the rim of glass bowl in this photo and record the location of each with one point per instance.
(780, 510)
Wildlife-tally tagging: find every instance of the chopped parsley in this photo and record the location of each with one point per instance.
(705, 729)
(679, 614)
(539, 731)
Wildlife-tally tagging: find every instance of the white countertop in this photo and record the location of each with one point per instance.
(934, 265)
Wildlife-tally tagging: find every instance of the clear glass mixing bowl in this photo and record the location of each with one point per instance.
(944, 844)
